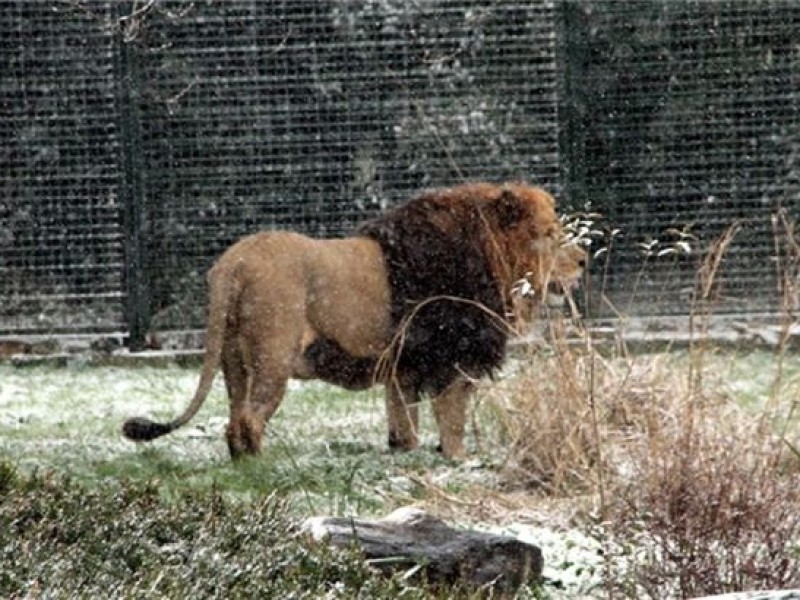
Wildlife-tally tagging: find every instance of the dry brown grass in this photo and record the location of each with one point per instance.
(568, 414)
(694, 493)
(711, 505)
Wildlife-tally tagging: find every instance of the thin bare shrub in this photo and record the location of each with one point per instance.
(547, 409)
(709, 508)
(787, 262)
(569, 413)
(696, 494)
(713, 503)
(545, 419)
(564, 402)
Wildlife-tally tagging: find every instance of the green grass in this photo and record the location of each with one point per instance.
(756, 380)
(68, 420)
(84, 512)
(325, 449)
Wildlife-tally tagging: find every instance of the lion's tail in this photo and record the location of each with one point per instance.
(222, 290)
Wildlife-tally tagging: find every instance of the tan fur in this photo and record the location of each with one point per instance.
(291, 286)
(273, 294)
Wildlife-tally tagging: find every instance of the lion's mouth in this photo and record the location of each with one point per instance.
(557, 292)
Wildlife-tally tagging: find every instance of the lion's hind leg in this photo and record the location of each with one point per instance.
(256, 382)
(450, 410)
(254, 406)
(238, 380)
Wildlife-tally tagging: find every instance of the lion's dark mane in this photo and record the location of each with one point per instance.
(434, 246)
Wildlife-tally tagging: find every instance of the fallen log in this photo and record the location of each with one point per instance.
(412, 541)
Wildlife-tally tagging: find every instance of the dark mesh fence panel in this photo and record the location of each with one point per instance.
(139, 139)
(315, 115)
(687, 115)
(61, 242)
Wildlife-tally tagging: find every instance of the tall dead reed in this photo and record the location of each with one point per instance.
(695, 493)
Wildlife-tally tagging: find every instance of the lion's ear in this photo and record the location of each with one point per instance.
(509, 209)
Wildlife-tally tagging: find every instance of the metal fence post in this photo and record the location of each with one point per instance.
(571, 54)
(137, 308)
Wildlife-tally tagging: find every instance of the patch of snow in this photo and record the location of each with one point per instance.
(574, 563)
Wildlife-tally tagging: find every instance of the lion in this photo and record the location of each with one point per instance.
(416, 300)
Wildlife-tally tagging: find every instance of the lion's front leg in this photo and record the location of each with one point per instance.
(450, 410)
(402, 415)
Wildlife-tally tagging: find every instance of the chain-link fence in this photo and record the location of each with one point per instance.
(684, 120)
(139, 139)
(62, 231)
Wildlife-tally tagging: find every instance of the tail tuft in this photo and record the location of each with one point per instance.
(140, 429)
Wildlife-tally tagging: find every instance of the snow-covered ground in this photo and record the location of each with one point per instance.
(69, 419)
